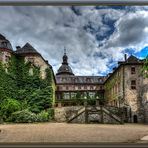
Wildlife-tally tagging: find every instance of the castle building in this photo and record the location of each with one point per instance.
(5, 49)
(29, 53)
(69, 85)
(125, 87)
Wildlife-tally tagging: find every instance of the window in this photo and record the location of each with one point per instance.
(133, 70)
(91, 94)
(79, 87)
(31, 72)
(88, 80)
(67, 88)
(133, 84)
(31, 60)
(58, 88)
(4, 44)
(7, 58)
(100, 80)
(91, 87)
(66, 96)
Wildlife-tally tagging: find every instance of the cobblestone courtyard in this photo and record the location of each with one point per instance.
(62, 132)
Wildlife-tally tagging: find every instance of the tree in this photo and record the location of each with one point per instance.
(145, 68)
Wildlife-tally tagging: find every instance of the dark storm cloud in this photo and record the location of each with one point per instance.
(130, 31)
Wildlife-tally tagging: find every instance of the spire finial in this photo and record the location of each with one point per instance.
(64, 50)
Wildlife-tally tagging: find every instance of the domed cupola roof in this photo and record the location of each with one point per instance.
(65, 68)
(4, 43)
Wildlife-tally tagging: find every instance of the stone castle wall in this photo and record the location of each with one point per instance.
(63, 113)
(38, 61)
(134, 97)
(4, 56)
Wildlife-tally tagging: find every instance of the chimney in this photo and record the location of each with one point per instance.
(18, 47)
(114, 68)
(125, 56)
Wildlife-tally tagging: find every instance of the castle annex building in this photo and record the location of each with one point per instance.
(28, 53)
(125, 87)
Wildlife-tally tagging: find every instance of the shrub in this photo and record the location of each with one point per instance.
(24, 116)
(43, 116)
(1, 120)
(9, 106)
(91, 101)
(50, 113)
(35, 109)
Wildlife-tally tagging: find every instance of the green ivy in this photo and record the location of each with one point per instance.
(31, 90)
(145, 68)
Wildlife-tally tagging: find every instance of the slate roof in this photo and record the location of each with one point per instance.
(2, 37)
(4, 43)
(26, 49)
(65, 68)
(63, 79)
(131, 60)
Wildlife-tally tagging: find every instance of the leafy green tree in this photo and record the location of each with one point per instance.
(145, 68)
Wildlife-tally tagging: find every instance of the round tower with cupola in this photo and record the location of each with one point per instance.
(5, 49)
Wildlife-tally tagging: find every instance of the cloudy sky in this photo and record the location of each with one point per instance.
(96, 37)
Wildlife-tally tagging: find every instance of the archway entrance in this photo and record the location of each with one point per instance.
(135, 119)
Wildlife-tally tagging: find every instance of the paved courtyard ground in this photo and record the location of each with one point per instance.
(63, 132)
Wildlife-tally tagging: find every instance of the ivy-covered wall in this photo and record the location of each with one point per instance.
(21, 81)
(113, 87)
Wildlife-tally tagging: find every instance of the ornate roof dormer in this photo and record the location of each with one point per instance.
(65, 69)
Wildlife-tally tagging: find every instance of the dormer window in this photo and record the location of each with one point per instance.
(4, 44)
(88, 80)
(31, 60)
(100, 80)
(133, 70)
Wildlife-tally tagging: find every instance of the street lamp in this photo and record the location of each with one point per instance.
(85, 101)
(97, 101)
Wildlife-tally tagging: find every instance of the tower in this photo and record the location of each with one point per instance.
(5, 49)
(65, 69)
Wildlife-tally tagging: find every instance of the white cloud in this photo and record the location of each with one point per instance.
(49, 29)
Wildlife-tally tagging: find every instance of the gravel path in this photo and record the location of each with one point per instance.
(63, 132)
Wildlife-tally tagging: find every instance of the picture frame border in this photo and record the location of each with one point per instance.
(73, 3)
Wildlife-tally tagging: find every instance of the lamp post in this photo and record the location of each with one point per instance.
(85, 101)
(145, 112)
(97, 101)
(86, 111)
